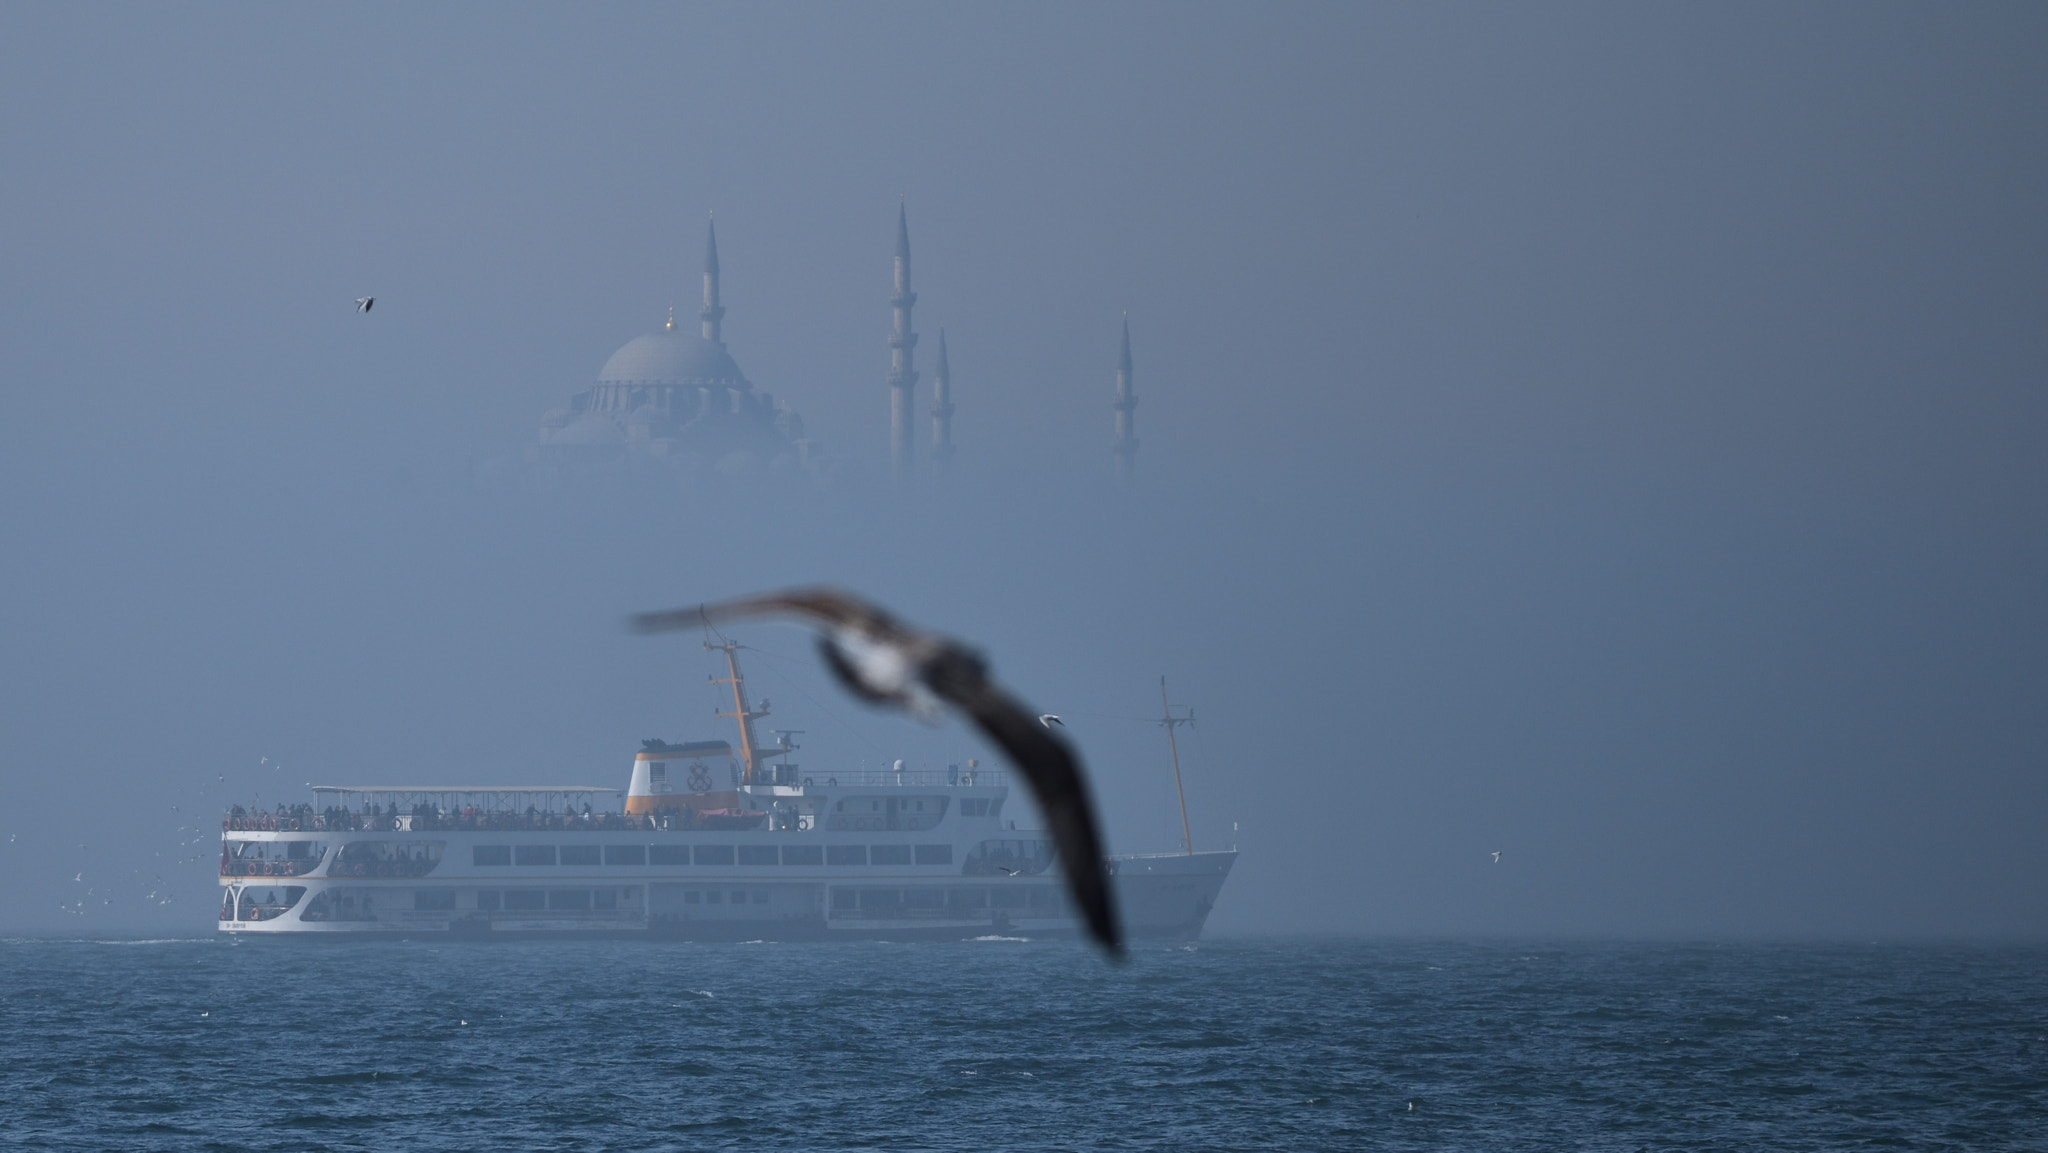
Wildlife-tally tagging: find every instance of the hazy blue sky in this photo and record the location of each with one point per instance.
(1610, 435)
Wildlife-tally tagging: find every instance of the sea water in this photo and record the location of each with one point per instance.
(1016, 1044)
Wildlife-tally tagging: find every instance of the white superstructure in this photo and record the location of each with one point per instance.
(710, 843)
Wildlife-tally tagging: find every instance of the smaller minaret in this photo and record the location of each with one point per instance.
(942, 415)
(1126, 445)
(712, 312)
(902, 356)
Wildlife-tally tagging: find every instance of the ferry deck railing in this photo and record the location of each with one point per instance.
(432, 817)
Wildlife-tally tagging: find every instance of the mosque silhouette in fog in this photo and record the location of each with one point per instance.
(677, 399)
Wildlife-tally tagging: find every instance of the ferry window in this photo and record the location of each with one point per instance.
(625, 854)
(757, 854)
(298, 850)
(668, 854)
(969, 807)
(881, 900)
(692, 897)
(534, 854)
(1006, 898)
(803, 854)
(714, 854)
(491, 855)
(889, 854)
(924, 899)
(995, 807)
(435, 899)
(714, 898)
(846, 854)
(1042, 897)
(760, 896)
(935, 854)
(526, 899)
(580, 854)
(605, 899)
(657, 772)
(842, 898)
(574, 899)
(739, 897)
(488, 900)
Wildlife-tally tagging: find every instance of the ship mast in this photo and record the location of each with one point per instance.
(1169, 722)
(750, 750)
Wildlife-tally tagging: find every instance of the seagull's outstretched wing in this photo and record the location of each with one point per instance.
(819, 605)
(1055, 777)
(956, 674)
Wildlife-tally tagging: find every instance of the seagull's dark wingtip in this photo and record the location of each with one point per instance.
(665, 622)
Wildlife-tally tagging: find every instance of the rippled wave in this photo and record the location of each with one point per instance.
(314, 1045)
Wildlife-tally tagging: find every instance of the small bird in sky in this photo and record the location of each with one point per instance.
(1051, 719)
(365, 303)
(1496, 856)
(887, 662)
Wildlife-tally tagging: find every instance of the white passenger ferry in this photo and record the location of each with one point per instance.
(711, 843)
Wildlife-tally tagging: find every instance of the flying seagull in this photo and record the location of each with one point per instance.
(1496, 856)
(1051, 719)
(365, 303)
(886, 662)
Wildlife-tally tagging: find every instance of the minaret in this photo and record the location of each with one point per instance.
(713, 312)
(902, 349)
(942, 415)
(1126, 446)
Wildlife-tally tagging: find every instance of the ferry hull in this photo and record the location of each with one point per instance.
(1160, 897)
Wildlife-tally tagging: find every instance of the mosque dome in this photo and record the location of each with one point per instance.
(672, 357)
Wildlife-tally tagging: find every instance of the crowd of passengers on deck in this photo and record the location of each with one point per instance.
(253, 909)
(434, 818)
(415, 863)
(233, 866)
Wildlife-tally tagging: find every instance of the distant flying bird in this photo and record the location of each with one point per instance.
(886, 662)
(365, 303)
(1496, 856)
(1051, 719)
